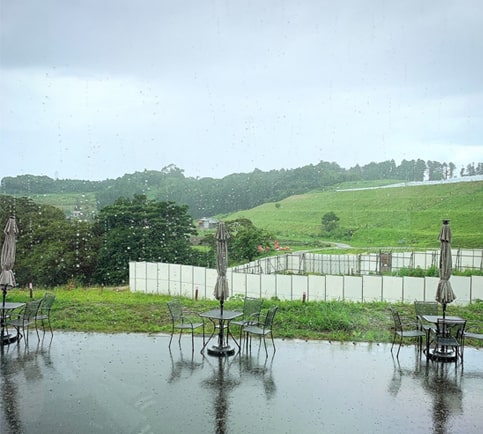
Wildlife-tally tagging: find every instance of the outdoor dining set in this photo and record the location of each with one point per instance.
(251, 321)
(17, 318)
(443, 336)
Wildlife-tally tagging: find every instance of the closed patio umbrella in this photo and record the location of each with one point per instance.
(7, 260)
(221, 291)
(444, 293)
(7, 278)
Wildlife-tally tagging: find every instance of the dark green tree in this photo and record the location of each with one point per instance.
(244, 240)
(139, 229)
(330, 222)
(51, 250)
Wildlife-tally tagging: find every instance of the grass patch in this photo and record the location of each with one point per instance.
(112, 310)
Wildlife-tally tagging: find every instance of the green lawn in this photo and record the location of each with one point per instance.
(111, 311)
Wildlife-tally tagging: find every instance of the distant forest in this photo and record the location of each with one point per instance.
(209, 196)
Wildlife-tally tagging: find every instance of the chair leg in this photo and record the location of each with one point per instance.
(37, 327)
(399, 347)
(171, 338)
(50, 326)
(393, 340)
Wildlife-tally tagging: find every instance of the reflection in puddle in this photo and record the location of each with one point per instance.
(19, 360)
(132, 383)
(441, 381)
(183, 364)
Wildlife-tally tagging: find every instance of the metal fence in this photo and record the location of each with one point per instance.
(379, 262)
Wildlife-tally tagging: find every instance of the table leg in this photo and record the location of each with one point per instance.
(211, 336)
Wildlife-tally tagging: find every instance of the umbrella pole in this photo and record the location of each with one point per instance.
(222, 325)
(3, 318)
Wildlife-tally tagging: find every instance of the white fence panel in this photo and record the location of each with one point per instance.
(424, 260)
(462, 289)
(239, 284)
(284, 287)
(464, 259)
(352, 288)
(268, 283)
(163, 278)
(174, 274)
(372, 288)
(392, 288)
(413, 289)
(476, 288)
(401, 260)
(431, 287)
(299, 287)
(183, 280)
(253, 285)
(199, 281)
(334, 287)
(151, 280)
(316, 291)
(367, 264)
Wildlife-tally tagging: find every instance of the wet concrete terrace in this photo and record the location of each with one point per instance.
(132, 383)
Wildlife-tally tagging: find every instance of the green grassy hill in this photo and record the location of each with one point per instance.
(69, 202)
(397, 216)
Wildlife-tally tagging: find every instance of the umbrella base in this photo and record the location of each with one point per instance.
(221, 351)
(9, 339)
(442, 355)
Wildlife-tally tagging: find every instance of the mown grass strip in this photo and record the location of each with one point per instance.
(112, 311)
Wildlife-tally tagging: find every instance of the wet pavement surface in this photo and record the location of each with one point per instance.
(132, 383)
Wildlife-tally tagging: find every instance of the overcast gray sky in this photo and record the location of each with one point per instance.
(94, 89)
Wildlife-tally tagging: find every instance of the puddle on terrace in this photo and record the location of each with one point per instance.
(132, 383)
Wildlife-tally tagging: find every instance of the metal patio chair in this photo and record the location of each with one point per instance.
(252, 308)
(263, 328)
(425, 308)
(183, 321)
(450, 335)
(405, 328)
(45, 309)
(25, 318)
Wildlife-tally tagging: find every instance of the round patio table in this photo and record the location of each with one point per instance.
(221, 320)
(5, 311)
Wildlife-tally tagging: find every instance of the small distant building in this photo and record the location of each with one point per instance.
(77, 214)
(207, 223)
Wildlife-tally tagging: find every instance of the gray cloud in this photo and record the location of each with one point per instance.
(114, 86)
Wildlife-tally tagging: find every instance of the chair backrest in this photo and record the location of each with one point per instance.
(269, 317)
(31, 308)
(47, 302)
(252, 307)
(397, 319)
(426, 308)
(451, 328)
(175, 310)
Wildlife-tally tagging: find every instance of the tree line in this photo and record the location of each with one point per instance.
(210, 196)
(53, 250)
